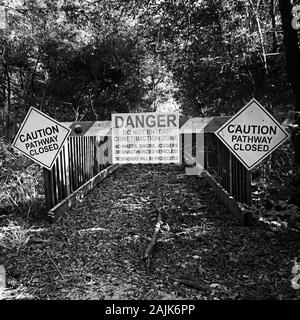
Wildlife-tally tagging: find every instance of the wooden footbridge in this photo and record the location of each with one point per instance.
(86, 159)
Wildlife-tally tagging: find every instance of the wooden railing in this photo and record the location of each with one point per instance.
(81, 164)
(223, 171)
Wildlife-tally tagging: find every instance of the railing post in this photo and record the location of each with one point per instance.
(230, 173)
(248, 188)
(47, 188)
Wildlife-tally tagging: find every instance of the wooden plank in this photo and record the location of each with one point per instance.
(72, 170)
(64, 166)
(92, 145)
(88, 158)
(67, 168)
(60, 177)
(83, 161)
(105, 153)
(238, 193)
(70, 165)
(241, 173)
(234, 186)
(98, 156)
(79, 165)
(180, 148)
(62, 174)
(76, 163)
(97, 167)
(99, 152)
(48, 189)
(248, 188)
(243, 185)
(55, 182)
(57, 178)
(52, 182)
(65, 204)
(109, 148)
(230, 173)
(75, 175)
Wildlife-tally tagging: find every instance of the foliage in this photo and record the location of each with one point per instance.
(21, 188)
(271, 185)
(75, 60)
(222, 53)
(13, 236)
(94, 251)
(83, 60)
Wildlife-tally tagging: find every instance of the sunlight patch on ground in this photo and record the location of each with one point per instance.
(92, 230)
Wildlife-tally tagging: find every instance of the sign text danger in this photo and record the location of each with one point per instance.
(145, 138)
(142, 121)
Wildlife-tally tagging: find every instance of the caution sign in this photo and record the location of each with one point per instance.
(252, 134)
(40, 138)
(151, 137)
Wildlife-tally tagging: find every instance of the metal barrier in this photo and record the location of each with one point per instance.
(83, 161)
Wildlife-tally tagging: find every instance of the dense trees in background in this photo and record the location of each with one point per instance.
(292, 50)
(229, 51)
(73, 59)
(83, 59)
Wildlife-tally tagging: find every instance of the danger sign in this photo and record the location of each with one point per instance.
(40, 138)
(151, 137)
(252, 134)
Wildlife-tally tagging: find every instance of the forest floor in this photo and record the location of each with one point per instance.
(94, 250)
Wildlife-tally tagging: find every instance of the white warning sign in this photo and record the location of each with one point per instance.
(41, 138)
(151, 137)
(252, 134)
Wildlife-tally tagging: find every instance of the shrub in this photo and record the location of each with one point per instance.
(13, 236)
(21, 184)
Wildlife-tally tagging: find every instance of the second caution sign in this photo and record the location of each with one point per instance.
(252, 134)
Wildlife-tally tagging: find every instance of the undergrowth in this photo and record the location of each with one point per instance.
(271, 188)
(14, 236)
(21, 185)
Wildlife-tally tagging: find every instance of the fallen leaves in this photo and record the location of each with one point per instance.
(95, 253)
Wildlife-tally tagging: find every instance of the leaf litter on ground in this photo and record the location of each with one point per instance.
(94, 252)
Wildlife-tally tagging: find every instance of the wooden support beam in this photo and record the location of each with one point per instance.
(65, 204)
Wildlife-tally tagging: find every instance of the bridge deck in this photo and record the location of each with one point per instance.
(95, 250)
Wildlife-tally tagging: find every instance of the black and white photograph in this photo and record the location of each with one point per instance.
(150, 153)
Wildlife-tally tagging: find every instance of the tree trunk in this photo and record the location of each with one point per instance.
(7, 102)
(292, 50)
(260, 33)
(274, 36)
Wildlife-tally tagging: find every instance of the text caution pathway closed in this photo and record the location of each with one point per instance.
(145, 137)
(252, 134)
(40, 137)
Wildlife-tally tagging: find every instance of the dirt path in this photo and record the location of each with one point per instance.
(94, 251)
